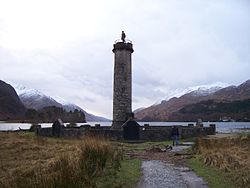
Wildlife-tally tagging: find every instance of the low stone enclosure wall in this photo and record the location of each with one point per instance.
(146, 132)
(160, 133)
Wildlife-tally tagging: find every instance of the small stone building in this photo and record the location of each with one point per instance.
(131, 130)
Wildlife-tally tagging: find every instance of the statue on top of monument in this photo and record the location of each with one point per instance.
(123, 36)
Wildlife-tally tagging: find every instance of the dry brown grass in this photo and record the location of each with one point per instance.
(230, 154)
(30, 161)
(24, 152)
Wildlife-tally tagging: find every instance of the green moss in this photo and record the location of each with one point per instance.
(214, 177)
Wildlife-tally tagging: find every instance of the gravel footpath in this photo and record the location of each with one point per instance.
(157, 174)
(160, 174)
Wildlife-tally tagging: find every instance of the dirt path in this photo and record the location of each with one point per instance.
(168, 170)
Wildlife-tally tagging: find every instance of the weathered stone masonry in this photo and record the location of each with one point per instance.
(146, 132)
(122, 95)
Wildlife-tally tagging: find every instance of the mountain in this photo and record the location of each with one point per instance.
(164, 110)
(91, 117)
(211, 110)
(37, 100)
(11, 106)
(232, 93)
(138, 110)
(32, 98)
(198, 90)
(71, 107)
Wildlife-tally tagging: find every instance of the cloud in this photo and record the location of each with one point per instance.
(64, 48)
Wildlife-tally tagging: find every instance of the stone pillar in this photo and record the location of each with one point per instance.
(122, 93)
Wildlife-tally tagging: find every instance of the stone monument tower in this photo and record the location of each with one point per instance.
(122, 94)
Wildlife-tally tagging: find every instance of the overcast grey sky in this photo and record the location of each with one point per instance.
(63, 48)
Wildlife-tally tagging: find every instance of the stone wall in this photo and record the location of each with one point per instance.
(44, 131)
(147, 133)
(81, 132)
(108, 134)
(160, 133)
(65, 132)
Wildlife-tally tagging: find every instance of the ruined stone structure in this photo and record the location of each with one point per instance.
(122, 94)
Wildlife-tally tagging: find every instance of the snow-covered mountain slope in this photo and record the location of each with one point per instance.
(71, 107)
(67, 105)
(200, 90)
(32, 98)
(138, 109)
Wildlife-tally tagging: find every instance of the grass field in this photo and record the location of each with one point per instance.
(223, 161)
(30, 161)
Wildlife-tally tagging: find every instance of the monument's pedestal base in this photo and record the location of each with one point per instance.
(117, 125)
